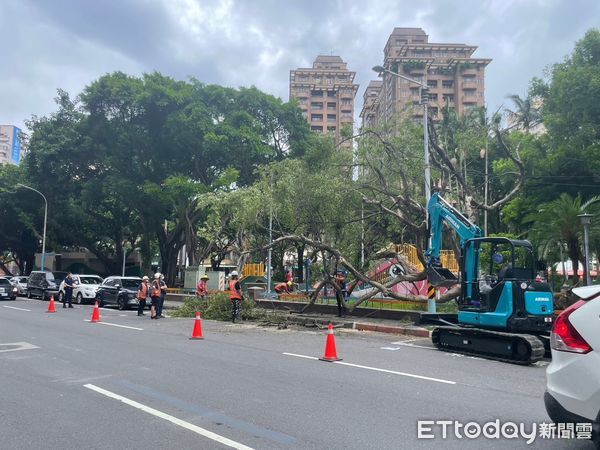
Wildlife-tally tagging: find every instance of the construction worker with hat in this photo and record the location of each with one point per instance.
(155, 294)
(284, 287)
(201, 287)
(142, 295)
(235, 295)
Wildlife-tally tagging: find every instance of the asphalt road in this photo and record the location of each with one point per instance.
(135, 383)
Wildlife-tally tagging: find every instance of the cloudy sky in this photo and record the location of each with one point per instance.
(50, 44)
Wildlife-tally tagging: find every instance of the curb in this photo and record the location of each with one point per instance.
(406, 330)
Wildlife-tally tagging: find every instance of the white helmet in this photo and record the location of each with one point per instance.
(234, 273)
(157, 275)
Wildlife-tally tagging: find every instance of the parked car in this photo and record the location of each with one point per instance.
(20, 283)
(120, 291)
(573, 385)
(44, 284)
(7, 290)
(85, 287)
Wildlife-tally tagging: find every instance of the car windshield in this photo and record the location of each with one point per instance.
(130, 284)
(58, 276)
(90, 280)
(4, 281)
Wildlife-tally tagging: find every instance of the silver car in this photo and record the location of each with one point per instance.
(20, 283)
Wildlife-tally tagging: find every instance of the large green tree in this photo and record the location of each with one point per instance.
(128, 161)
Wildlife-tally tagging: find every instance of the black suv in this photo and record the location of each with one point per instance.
(120, 291)
(44, 284)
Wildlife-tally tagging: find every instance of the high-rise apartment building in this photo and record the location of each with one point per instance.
(454, 77)
(370, 108)
(326, 95)
(10, 145)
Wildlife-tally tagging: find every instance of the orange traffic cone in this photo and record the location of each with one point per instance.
(51, 305)
(330, 351)
(197, 332)
(96, 314)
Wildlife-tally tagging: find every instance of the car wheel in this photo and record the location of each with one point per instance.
(28, 294)
(122, 302)
(61, 295)
(79, 298)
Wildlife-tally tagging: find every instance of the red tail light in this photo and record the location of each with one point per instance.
(565, 337)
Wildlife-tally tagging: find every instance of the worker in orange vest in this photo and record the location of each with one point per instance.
(235, 295)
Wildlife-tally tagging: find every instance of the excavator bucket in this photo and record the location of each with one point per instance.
(441, 277)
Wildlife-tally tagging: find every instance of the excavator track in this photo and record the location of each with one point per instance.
(514, 348)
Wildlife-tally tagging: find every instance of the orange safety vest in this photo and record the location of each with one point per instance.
(143, 292)
(233, 293)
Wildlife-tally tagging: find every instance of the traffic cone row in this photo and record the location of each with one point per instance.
(330, 347)
(330, 350)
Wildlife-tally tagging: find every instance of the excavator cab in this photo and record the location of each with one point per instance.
(499, 288)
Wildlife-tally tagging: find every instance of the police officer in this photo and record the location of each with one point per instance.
(68, 297)
(235, 295)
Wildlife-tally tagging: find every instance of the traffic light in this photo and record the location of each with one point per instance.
(424, 96)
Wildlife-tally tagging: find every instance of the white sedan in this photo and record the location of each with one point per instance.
(84, 290)
(573, 386)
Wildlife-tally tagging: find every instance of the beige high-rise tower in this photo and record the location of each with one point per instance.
(326, 95)
(454, 77)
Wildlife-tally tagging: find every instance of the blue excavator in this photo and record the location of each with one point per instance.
(504, 312)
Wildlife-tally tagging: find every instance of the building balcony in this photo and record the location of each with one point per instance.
(468, 71)
(469, 85)
(469, 100)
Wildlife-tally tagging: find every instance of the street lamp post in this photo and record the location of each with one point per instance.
(586, 220)
(45, 220)
(424, 91)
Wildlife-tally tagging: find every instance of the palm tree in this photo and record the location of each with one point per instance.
(526, 114)
(557, 223)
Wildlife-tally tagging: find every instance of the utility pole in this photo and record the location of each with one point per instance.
(586, 220)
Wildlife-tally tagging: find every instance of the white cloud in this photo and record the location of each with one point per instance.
(68, 44)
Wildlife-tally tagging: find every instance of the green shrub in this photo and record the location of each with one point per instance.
(218, 307)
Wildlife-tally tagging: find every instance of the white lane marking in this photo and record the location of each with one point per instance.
(405, 341)
(300, 356)
(414, 345)
(188, 426)
(393, 372)
(116, 325)
(393, 349)
(20, 346)
(14, 307)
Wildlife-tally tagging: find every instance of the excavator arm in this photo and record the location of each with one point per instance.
(441, 212)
